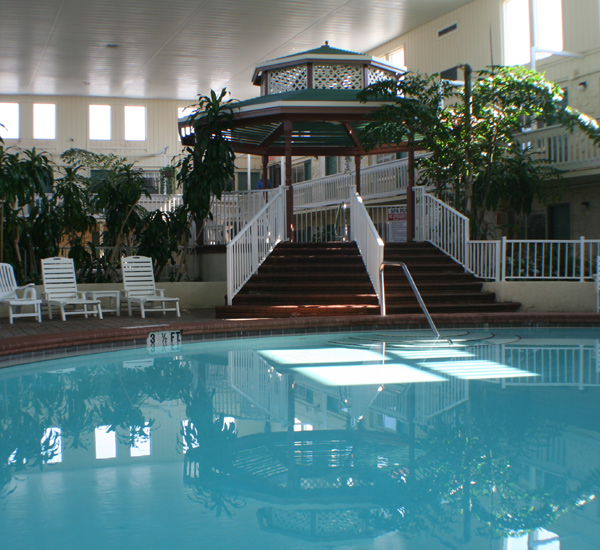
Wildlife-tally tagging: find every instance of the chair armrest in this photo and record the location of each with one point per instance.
(29, 291)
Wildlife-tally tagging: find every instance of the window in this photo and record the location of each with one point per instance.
(99, 121)
(331, 166)
(397, 57)
(140, 441)
(183, 112)
(301, 172)
(152, 181)
(243, 180)
(528, 25)
(44, 121)
(52, 446)
(135, 123)
(106, 442)
(9, 118)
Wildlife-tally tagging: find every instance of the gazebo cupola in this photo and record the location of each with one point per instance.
(324, 68)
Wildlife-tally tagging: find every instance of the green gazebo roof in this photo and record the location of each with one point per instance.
(315, 93)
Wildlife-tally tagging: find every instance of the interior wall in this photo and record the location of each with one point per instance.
(478, 41)
(72, 128)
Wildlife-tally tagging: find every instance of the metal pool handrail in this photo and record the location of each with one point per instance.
(414, 289)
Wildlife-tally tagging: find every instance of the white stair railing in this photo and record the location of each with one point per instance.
(504, 259)
(441, 225)
(250, 247)
(367, 239)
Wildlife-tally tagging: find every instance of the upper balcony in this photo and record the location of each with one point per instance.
(572, 152)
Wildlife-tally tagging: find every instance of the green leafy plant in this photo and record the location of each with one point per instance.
(478, 163)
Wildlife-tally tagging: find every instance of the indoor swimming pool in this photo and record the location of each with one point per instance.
(481, 439)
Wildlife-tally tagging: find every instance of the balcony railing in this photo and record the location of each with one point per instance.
(570, 151)
(389, 179)
(229, 215)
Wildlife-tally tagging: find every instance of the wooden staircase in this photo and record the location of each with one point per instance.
(443, 284)
(328, 279)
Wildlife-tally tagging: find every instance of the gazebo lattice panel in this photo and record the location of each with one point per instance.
(293, 521)
(288, 79)
(378, 75)
(343, 77)
(339, 521)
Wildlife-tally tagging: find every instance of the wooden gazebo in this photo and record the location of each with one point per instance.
(309, 107)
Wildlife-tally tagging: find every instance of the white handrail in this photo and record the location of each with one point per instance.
(414, 288)
(250, 247)
(504, 259)
(441, 225)
(367, 239)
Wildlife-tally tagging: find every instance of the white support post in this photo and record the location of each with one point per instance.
(502, 259)
(582, 259)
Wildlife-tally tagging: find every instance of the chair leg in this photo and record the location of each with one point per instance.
(10, 314)
(38, 312)
(178, 311)
(142, 310)
(62, 312)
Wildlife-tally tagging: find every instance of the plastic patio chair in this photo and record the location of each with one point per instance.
(140, 288)
(60, 289)
(9, 295)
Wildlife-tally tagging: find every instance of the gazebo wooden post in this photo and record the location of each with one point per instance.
(410, 197)
(265, 170)
(357, 172)
(287, 130)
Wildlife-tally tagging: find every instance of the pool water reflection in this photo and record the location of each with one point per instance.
(482, 439)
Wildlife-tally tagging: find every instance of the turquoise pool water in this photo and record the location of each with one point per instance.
(484, 439)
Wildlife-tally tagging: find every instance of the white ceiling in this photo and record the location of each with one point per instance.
(179, 48)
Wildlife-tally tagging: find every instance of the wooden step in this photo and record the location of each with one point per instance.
(438, 296)
(330, 279)
(308, 310)
(289, 298)
(456, 307)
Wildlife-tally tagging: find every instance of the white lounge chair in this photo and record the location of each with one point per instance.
(9, 295)
(140, 288)
(60, 289)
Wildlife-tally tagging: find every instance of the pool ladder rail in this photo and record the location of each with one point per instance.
(414, 289)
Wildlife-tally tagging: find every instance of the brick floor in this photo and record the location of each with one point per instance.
(27, 336)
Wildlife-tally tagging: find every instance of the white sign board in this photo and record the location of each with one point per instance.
(165, 341)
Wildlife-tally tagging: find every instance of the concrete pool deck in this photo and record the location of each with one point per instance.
(26, 337)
